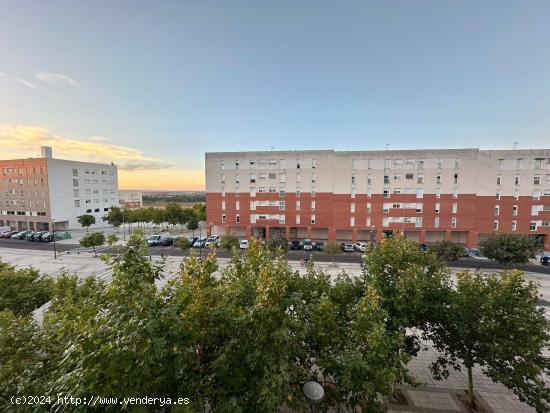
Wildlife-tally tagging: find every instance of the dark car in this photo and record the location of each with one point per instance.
(545, 260)
(295, 245)
(36, 236)
(21, 235)
(320, 245)
(423, 247)
(192, 240)
(165, 242)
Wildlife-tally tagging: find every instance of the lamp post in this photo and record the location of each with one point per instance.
(53, 236)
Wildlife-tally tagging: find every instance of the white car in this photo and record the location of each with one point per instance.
(214, 239)
(244, 244)
(360, 246)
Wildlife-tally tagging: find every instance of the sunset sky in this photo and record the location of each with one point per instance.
(151, 86)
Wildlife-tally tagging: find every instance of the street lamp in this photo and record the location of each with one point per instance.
(314, 393)
(53, 236)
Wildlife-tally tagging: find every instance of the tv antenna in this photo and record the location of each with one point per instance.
(516, 145)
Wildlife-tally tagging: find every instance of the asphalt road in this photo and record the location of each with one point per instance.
(465, 262)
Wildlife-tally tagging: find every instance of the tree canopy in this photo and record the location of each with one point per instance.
(509, 248)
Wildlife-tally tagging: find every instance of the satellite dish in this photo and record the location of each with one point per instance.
(313, 391)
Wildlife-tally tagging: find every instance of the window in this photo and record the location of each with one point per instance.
(352, 207)
(313, 219)
(533, 226)
(252, 192)
(515, 211)
(518, 163)
(237, 164)
(398, 164)
(313, 194)
(76, 203)
(457, 163)
(223, 219)
(313, 205)
(455, 193)
(313, 178)
(386, 179)
(456, 179)
(497, 210)
(536, 195)
(96, 210)
(438, 193)
(499, 180)
(538, 163)
(353, 164)
(409, 176)
(282, 205)
(437, 207)
(387, 163)
(298, 178)
(76, 192)
(454, 208)
(420, 164)
(497, 196)
(369, 193)
(436, 222)
(75, 172)
(439, 163)
(253, 179)
(297, 205)
(272, 176)
(514, 225)
(409, 164)
(516, 194)
(369, 179)
(353, 179)
(252, 165)
(438, 179)
(536, 180)
(419, 193)
(369, 164)
(237, 193)
(75, 182)
(396, 190)
(534, 210)
(352, 193)
(495, 225)
(368, 221)
(453, 222)
(298, 162)
(223, 205)
(420, 179)
(352, 221)
(368, 207)
(298, 219)
(386, 193)
(237, 179)
(282, 192)
(237, 205)
(418, 208)
(314, 163)
(397, 177)
(237, 218)
(282, 163)
(517, 180)
(282, 178)
(298, 193)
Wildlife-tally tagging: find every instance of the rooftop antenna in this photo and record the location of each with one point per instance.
(387, 146)
(516, 145)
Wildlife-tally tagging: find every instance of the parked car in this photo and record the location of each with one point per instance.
(423, 246)
(153, 240)
(243, 244)
(49, 236)
(29, 235)
(36, 236)
(360, 246)
(319, 245)
(7, 234)
(545, 260)
(192, 240)
(308, 245)
(476, 253)
(212, 240)
(20, 235)
(167, 241)
(295, 245)
(200, 243)
(348, 247)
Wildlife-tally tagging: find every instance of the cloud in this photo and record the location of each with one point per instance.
(27, 84)
(25, 141)
(56, 79)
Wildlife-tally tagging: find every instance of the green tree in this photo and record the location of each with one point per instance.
(112, 239)
(93, 240)
(158, 216)
(509, 248)
(332, 249)
(494, 322)
(114, 217)
(183, 243)
(228, 242)
(447, 251)
(200, 211)
(278, 243)
(412, 286)
(23, 290)
(86, 220)
(193, 224)
(174, 213)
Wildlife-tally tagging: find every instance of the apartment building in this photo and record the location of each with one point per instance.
(130, 199)
(462, 195)
(37, 192)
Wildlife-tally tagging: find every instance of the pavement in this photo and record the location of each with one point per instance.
(433, 396)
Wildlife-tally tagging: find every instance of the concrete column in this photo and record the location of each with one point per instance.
(447, 235)
(248, 231)
(422, 237)
(287, 233)
(354, 236)
(267, 233)
(309, 232)
(472, 239)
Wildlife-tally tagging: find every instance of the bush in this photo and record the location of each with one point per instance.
(183, 243)
(447, 251)
(93, 240)
(278, 243)
(509, 248)
(23, 290)
(228, 242)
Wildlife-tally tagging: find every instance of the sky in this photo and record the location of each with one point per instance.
(152, 86)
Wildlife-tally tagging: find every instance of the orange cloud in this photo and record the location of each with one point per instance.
(136, 170)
